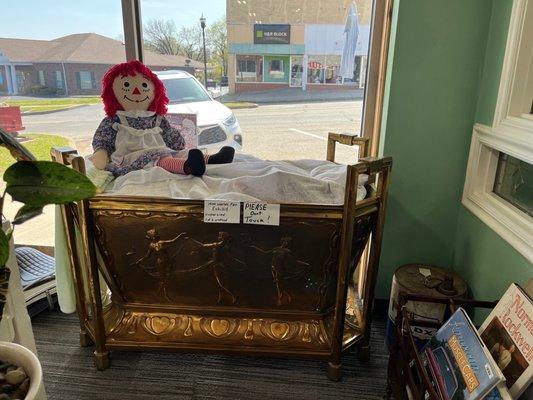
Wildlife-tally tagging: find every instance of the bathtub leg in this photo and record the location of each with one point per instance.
(101, 360)
(363, 352)
(85, 339)
(334, 372)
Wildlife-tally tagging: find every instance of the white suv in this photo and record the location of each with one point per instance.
(216, 123)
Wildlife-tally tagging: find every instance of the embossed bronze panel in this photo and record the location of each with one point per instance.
(172, 258)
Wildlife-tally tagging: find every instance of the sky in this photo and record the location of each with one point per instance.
(49, 19)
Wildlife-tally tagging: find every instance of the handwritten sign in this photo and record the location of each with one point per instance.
(222, 212)
(261, 213)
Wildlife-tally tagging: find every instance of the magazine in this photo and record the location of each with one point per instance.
(187, 126)
(508, 334)
(457, 361)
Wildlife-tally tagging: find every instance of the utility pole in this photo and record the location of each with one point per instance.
(202, 24)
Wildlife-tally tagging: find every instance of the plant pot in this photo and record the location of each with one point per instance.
(20, 356)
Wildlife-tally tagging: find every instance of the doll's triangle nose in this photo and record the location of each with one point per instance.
(136, 91)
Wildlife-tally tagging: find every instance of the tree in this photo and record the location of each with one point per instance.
(190, 42)
(161, 36)
(217, 41)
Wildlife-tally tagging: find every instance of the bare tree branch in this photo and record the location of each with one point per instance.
(161, 36)
(190, 42)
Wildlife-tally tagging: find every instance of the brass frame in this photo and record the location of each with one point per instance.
(382, 14)
(136, 318)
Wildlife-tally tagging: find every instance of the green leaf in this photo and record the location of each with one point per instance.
(38, 183)
(17, 150)
(4, 248)
(26, 213)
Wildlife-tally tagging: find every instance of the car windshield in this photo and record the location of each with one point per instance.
(184, 90)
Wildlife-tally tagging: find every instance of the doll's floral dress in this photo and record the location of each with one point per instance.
(136, 140)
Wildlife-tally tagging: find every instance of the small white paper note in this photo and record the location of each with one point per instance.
(260, 213)
(222, 212)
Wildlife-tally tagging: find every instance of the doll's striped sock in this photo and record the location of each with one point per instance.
(193, 165)
(171, 164)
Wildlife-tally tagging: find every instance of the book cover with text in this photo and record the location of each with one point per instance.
(508, 334)
(458, 362)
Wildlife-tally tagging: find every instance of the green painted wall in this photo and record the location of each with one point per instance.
(482, 256)
(434, 82)
(444, 71)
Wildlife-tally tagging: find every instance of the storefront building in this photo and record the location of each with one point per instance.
(293, 43)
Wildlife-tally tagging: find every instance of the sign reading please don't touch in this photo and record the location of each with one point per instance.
(261, 213)
(229, 212)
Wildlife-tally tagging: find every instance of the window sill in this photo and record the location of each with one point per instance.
(513, 225)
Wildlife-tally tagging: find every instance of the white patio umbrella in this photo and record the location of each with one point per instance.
(351, 33)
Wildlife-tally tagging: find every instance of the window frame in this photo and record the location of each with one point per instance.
(59, 79)
(91, 80)
(508, 134)
(257, 59)
(42, 77)
(375, 76)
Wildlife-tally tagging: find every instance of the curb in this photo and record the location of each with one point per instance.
(250, 105)
(54, 111)
(259, 102)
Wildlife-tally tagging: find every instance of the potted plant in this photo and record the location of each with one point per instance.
(35, 184)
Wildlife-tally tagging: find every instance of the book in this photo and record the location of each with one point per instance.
(458, 363)
(186, 124)
(508, 334)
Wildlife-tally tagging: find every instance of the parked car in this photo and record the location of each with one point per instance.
(216, 123)
(213, 89)
(224, 81)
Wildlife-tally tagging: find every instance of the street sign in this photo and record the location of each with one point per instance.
(272, 34)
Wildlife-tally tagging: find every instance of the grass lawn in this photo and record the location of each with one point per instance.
(235, 105)
(52, 103)
(39, 145)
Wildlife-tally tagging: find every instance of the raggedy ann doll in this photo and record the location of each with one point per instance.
(135, 134)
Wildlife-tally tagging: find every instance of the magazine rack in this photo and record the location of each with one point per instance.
(407, 377)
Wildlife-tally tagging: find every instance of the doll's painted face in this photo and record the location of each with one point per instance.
(134, 92)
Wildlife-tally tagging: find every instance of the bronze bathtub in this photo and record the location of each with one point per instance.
(178, 284)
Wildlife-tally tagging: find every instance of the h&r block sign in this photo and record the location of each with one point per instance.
(272, 34)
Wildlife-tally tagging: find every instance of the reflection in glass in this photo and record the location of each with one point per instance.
(332, 70)
(296, 71)
(249, 68)
(514, 182)
(185, 90)
(275, 69)
(315, 69)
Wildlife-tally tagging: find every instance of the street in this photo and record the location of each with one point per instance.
(277, 131)
(280, 131)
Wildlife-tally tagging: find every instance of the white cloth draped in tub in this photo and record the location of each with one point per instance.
(246, 179)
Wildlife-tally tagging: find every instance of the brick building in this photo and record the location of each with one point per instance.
(293, 43)
(70, 65)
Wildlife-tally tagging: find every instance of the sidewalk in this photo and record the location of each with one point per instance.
(294, 95)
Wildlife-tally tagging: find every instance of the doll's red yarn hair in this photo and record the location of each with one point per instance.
(131, 68)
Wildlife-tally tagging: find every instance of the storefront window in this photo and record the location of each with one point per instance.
(249, 69)
(332, 70)
(296, 71)
(277, 69)
(315, 69)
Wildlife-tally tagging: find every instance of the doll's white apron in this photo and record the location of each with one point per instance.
(132, 143)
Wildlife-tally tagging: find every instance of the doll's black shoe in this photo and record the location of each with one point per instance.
(224, 156)
(195, 164)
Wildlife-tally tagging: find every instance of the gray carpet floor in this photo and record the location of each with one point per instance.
(69, 372)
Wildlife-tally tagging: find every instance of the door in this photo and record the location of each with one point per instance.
(297, 70)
